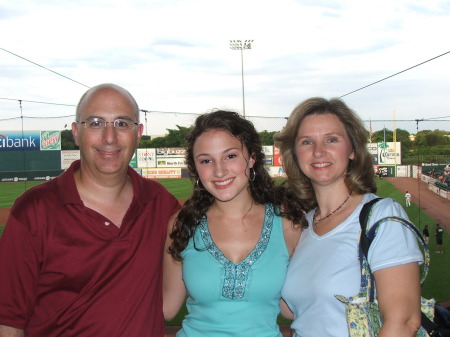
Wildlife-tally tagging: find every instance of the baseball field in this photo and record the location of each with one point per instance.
(433, 209)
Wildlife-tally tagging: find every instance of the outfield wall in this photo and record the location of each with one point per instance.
(36, 155)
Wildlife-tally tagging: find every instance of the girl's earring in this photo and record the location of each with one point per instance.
(199, 184)
(254, 174)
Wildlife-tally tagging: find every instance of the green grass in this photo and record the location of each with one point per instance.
(436, 284)
(180, 188)
(434, 287)
(415, 214)
(10, 191)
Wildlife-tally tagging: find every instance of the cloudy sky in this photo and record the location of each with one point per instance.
(174, 55)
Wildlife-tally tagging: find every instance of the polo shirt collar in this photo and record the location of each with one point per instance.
(68, 192)
(66, 185)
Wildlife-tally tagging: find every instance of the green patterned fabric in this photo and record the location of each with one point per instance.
(362, 312)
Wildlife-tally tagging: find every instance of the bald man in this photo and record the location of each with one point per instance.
(81, 255)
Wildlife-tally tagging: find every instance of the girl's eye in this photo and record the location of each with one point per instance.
(231, 156)
(306, 142)
(205, 161)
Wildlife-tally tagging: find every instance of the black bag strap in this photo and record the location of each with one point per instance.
(364, 241)
(429, 326)
(367, 281)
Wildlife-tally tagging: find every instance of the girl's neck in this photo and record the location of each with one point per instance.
(238, 207)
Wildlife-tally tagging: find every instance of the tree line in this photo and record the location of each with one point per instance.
(174, 138)
(436, 142)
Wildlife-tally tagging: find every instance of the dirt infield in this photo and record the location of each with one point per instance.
(4, 213)
(435, 206)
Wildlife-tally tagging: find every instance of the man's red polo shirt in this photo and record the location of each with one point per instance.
(66, 270)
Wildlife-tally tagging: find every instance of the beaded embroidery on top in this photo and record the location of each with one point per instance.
(236, 274)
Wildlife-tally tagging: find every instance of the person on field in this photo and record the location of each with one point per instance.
(229, 246)
(81, 255)
(439, 233)
(407, 199)
(426, 234)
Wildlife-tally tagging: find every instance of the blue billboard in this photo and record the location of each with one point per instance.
(20, 140)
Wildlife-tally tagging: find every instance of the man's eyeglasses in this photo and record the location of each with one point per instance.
(97, 123)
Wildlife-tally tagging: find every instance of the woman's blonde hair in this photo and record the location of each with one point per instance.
(360, 176)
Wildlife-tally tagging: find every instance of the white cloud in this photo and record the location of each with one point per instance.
(174, 55)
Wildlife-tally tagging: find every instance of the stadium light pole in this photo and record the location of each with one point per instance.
(238, 45)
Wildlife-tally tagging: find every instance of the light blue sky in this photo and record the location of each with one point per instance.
(174, 55)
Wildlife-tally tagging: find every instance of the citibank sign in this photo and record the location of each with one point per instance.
(18, 140)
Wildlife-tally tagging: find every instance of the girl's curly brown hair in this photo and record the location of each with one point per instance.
(262, 189)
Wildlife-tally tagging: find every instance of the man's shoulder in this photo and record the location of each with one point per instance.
(40, 191)
(37, 199)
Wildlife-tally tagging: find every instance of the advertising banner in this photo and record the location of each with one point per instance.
(276, 171)
(268, 161)
(276, 156)
(146, 158)
(50, 140)
(20, 140)
(386, 153)
(158, 173)
(170, 162)
(133, 161)
(268, 150)
(171, 152)
(20, 176)
(403, 171)
(68, 157)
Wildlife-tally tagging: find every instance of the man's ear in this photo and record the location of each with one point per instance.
(75, 133)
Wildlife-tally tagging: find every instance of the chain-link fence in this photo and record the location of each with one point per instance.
(157, 122)
(415, 141)
(412, 151)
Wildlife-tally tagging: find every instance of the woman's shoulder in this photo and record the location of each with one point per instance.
(385, 207)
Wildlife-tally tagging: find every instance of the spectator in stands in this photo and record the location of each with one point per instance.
(325, 156)
(231, 242)
(432, 173)
(426, 234)
(81, 255)
(439, 233)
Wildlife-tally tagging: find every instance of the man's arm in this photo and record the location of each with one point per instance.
(7, 331)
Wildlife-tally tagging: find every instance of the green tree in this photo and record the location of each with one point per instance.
(174, 138)
(402, 136)
(67, 141)
(432, 138)
(267, 137)
(382, 135)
